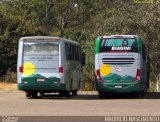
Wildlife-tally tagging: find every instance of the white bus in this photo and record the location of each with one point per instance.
(48, 64)
(121, 65)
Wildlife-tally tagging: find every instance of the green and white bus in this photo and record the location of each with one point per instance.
(121, 65)
(48, 64)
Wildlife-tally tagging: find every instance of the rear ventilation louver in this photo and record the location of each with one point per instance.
(118, 61)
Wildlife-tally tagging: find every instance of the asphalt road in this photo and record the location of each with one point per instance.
(14, 103)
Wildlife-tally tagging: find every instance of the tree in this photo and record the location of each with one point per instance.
(79, 20)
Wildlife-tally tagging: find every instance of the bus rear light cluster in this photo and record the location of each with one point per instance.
(137, 78)
(134, 36)
(117, 36)
(21, 69)
(60, 70)
(98, 75)
(101, 37)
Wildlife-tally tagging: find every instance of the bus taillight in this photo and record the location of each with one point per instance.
(118, 36)
(134, 36)
(137, 78)
(21, 69)
(60, 70)
(98, 75)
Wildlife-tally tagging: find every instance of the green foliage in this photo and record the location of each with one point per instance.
(152, 87)
(79, 20)
(10, 77)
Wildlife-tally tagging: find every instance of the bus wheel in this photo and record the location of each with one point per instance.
(141, 94)
(74, 92)
(67, 94)
(42, 94)
(101, 95)
(28, 94)
(61, 93)
(34, 94)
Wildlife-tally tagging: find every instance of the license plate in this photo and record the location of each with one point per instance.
(119, 87)
(40, 79)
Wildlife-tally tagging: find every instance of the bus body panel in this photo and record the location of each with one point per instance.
(119, 87)
(43, 72)
(40, 68)
(120, 77)
(120, 71)
(72, 72)
(19, 61)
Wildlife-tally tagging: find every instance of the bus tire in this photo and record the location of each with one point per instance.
(101, 95)
(74, 92)
(140, 94)
(67, 94)
(61, 93)
(42, 94)
(28, 94)
(34, 94)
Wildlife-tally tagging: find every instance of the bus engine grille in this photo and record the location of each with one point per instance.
(118, 61)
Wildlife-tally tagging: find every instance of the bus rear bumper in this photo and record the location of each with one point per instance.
(119, 87)
(41, 87)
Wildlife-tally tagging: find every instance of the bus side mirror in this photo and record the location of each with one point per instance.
(83, 61)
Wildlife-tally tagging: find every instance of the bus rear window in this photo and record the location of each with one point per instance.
(118, 45)
(41, 48)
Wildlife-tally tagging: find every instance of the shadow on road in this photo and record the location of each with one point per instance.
(78, 97)
(152, 95)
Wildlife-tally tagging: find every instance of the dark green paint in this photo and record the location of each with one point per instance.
(126, 87)
(47, 84)
(97, 44)
(139, 44)
(117, 78)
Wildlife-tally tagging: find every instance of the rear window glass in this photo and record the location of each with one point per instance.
(41, 48)
(115, 44)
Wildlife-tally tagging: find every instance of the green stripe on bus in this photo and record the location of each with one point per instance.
(97, 44)
(139, 45)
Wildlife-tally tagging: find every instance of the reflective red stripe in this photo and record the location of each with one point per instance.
(135, 37)
(98, 75)
(41, 39)
(60, 69)
(118, 36)
(137, 78)
(101, 37)
(97, 72)
(21, 69)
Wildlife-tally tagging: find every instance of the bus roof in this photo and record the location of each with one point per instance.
(120, 36)
(42, 38)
